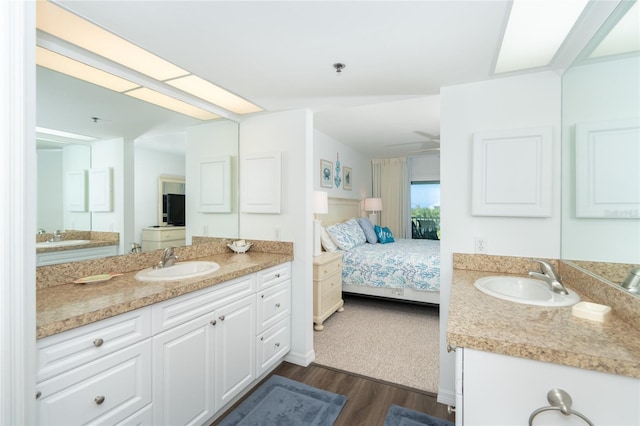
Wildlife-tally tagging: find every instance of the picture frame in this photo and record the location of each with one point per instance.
(326, 174)
(347, 178)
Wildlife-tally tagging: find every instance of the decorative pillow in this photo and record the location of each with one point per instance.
(347, 235)
(368, 230)
(327, 242)
(384, 235)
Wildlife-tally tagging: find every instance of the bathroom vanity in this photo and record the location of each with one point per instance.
(168, 352)
(510, 355)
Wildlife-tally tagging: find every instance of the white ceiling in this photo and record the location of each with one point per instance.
(279, 55)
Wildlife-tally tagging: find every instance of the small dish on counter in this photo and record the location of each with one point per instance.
(95, 279)
(240, 246)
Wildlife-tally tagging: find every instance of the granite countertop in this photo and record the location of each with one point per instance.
(479, 321)
(63, 307)
(90, 244)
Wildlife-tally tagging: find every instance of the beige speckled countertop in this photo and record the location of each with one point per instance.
(482, 322)
(66, 306)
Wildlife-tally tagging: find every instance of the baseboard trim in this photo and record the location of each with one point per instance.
(301, 359)
(446, 397)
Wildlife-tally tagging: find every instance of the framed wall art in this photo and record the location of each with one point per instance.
(347, 178)
(326, 174)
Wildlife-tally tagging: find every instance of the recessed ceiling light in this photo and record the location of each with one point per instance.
(61, 133)
(62, 64)
(208, 91)
(173, 104)
(535, 30)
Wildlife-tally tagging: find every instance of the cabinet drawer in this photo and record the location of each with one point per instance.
(332, 284)
(185, 308)
(273, 305)
(65, 351)
(273, 344)
(328, 300)
(163, 234)
(142, 417)
(322, 271)
(105, 391)
(274, 275)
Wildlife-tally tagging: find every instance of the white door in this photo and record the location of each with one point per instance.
(235, 349)
(183, 366)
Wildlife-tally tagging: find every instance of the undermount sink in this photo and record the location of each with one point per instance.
(524, 290)
(63, 243)
(178, 271)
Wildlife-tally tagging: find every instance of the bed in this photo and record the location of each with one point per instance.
(406, 269)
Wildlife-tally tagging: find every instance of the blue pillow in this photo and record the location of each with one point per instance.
(368, 230)
(384, 234)
(346, 235)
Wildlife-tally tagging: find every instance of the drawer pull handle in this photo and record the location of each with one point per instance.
(262, 338)
(214, 322)
(98, 342)
(277, 344)
(277, 305)
(99, 400)
(277, 275)
(38, 395)
(262, 296)
(221, 317)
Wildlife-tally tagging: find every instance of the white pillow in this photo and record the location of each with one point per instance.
(347, 235)
(327, 242)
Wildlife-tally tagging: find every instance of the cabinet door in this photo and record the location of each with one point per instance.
(235, 349)
(505, 390)
(183, 372)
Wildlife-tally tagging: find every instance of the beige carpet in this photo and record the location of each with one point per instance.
(390, 341)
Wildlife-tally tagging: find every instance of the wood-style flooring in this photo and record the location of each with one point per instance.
(368, 399)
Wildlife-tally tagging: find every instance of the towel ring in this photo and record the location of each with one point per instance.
(560, 401)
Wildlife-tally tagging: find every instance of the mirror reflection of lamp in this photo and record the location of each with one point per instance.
(320, 206)
(373, 206)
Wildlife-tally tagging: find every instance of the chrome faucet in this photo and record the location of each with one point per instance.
(168, 259)
(41, 231)
(632, 282)
(549, 275)
(57, 236)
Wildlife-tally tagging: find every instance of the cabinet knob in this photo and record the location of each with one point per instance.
(262, 296)
(277, 305)
(221, 317)
(214, 322)
(277, 275)
(98, 342)
(99, 399)
(277, 344)
(261, 338)
(38, 395)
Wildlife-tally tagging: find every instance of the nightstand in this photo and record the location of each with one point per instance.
(327, 287)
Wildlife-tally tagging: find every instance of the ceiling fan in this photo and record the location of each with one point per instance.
(431, 145)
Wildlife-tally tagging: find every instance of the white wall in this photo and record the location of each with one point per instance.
(214, 139)
(50, 190)
(150, 164)
(591, 93)
(506, 103)
(110, 153)
(291, 133)
(325, 148)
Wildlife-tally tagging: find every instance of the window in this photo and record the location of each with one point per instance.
(425, 210)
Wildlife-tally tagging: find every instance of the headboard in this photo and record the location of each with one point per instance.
(341, 209)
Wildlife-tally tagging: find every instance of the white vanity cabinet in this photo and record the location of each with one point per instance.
(176, 362)
(75, 255)
(494, 389)
(273, 299)
(206, 356)
(98, 373)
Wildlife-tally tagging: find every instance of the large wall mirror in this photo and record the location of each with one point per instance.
(601, 146)
(140, 141)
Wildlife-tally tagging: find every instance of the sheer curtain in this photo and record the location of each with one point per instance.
(391, 183)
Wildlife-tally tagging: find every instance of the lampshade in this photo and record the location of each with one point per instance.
(373, 204)
(320, 202)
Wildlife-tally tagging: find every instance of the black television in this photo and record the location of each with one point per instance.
(175, 209)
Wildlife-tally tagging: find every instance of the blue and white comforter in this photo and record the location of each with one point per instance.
(411, 264)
